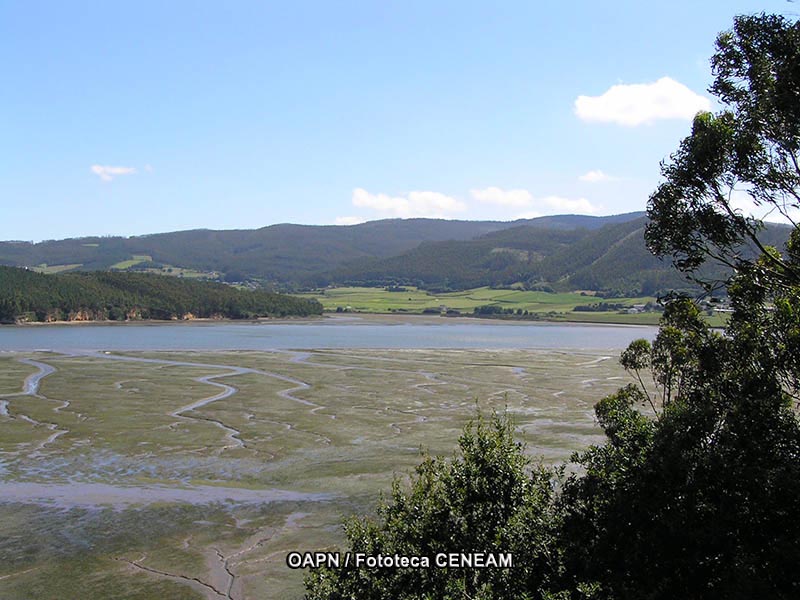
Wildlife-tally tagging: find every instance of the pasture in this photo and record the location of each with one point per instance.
(551, 306)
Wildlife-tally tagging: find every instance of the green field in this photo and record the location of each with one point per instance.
(378, 300)
(181, 272)
(51, 269)
(92, 462)
(132, 262)
(544, 305)
(139, 259)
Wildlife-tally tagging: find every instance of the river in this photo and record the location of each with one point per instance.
(327, 332)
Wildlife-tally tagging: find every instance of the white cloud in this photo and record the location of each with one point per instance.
(596, 176)
(107, 173)
(537, 206)
(528, 215)
(495, 195)
(573, 205)
(414, 204)
(349, 220)
(641, 103)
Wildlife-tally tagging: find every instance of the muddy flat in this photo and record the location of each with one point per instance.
(177, 474)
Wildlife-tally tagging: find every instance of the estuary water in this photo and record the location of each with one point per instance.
(327, 332)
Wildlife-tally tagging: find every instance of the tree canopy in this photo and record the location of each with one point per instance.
(118, 296)
(748, 150)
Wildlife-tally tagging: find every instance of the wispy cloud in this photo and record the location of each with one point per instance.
(537, 206)
(572, 205)
(107, 173)
(596, 176)
(349, 220)
(414, 204)
(531, 214)
(496, 195)
(641, 103)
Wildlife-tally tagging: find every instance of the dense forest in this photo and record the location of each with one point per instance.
(29, 296)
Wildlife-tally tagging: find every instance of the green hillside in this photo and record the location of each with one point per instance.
(280, 253)
(500, 257)
(613, 259)
(558, 253)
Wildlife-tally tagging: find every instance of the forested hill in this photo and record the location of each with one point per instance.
(282, 253)
(25, 295)
(559, 253)
(611, 258)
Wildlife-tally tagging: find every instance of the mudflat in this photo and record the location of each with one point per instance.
(193, 474)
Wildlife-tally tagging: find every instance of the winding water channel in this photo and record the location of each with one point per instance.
(47, 478)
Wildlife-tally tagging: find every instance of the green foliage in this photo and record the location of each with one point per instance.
(486, 499)
(612, 258)
(490, 309)
(606, 254)
(703, 502)
(598, 253)
(750, 147)
(120, 296)
(599, 307)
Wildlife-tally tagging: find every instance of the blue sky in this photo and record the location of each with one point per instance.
(125, 118)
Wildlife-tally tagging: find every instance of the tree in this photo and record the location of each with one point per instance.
(486, 499)
(749, 149)
(704, 500)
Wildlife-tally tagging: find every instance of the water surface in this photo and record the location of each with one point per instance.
(322, 333)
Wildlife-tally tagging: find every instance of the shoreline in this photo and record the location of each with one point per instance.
(332, 318)
(199, 321)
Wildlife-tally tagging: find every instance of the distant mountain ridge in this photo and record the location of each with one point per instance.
(280, 253)
(558, 253)
(539, 257)
(612, 258)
